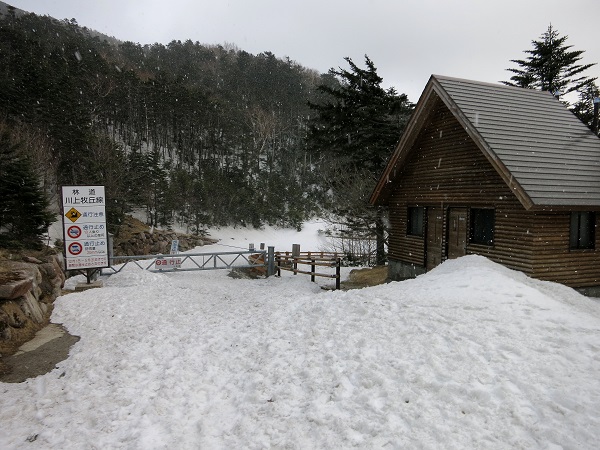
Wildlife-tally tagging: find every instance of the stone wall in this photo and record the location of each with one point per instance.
(158, 241)
(28, 287)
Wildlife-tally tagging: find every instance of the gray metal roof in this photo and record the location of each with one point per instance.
(546, 150)
(544, 153)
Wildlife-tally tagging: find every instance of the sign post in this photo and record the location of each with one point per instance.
(84, 227)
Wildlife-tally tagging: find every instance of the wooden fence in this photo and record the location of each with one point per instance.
(291, 260)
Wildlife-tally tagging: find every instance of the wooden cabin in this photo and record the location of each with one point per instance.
(504, 172)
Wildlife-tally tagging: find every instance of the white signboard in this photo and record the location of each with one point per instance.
(84, 223)
(167, 263)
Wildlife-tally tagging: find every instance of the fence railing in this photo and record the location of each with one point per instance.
(291, 260)
(195, 261)
(268, 261)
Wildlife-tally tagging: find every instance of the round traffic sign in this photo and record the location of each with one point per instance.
(74, 232)
(75, 248)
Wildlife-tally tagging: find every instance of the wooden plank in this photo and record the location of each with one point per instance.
(435, 228)
(307, 272)
(457, 232)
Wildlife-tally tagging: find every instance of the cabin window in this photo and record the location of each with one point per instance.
(583, 224)
(482, 226)
(415, 221)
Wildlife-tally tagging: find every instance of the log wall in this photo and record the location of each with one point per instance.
(553, 258)
(445, 170)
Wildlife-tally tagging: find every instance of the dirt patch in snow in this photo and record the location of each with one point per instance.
(371, 276)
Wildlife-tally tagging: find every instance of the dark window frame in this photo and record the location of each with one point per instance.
(582, 230)
(482, 226)
(415, 221)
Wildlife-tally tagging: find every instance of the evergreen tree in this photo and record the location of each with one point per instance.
(584, 107)
(154, 123)
(358, 123)
(159, 213)
(24, 214)
(551, 66)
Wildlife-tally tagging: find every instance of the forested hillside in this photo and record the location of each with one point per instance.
(195, 134)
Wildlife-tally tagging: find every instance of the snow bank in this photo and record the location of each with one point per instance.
(470, 355)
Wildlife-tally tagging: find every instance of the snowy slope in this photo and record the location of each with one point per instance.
(311, 238)
(470, 355)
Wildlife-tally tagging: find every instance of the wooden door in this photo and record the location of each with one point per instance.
(435, 223)
(457, 232)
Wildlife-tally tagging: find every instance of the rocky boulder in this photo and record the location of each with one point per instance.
(136, 238)
(28, 287)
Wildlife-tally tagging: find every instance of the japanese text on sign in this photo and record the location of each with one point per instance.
(84, 224)
(83, 195)
(167, 263)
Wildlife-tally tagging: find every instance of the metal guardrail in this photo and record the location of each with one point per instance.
(267, 260)
(197, 261)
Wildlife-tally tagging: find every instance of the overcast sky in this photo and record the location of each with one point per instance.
(408, 40)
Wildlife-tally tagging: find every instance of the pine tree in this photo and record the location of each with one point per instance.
(358, 123)
(224, 116)
(584, 107)
(24, 214)
(551, 66)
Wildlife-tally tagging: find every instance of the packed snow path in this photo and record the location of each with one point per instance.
(470, 355)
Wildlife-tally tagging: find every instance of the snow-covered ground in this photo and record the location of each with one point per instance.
(311, 238)
(470, 355)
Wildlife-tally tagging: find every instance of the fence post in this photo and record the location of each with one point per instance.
(337, 273)
(270, 260)
(312, 270)
(111, 251)
(295, 254)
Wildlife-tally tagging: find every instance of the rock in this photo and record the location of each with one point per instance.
(251, 273)
(53, 279)
(16, 317)
(59, 265)
(48, 269)
(160, 247)
(240, 274)
(5, 369)
(30, 306)
(135, 239)
(28, 287)
(51, 288)
(368, 277)
(31, 259)
(15, 289)
(5, 330)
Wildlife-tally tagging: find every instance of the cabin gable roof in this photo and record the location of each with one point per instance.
(542, 151)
